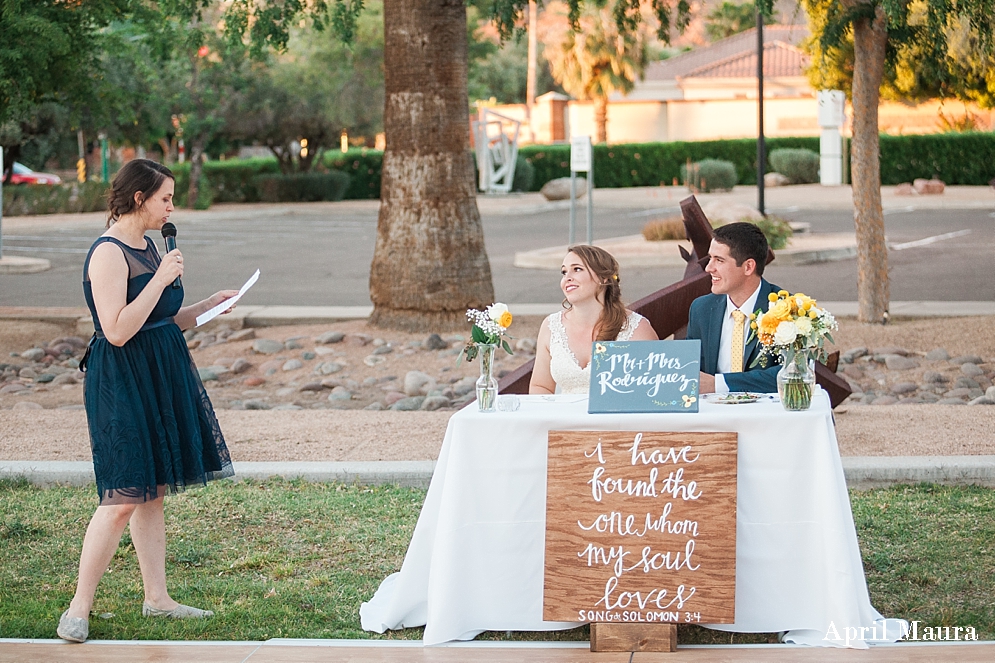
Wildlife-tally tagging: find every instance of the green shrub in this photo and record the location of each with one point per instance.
(363, 167)
(69, 198)
(525, 174)
(801, 166)
(205, 192)
(302, 187)
(709, 175)
(775, 229)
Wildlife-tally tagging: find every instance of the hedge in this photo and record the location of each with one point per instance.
(71, 197)
(302, 187)
(962, 158)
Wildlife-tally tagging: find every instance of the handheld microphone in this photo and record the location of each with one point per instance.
(169, 234)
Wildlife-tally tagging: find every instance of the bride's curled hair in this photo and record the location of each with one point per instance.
(604, 267)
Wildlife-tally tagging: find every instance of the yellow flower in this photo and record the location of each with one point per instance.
(753, 325)
(772, 297)
(779, 311)
(813, 314)
(505, 319)
(782, 293)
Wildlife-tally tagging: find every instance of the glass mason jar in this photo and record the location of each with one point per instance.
(487, 386)
(796, 379)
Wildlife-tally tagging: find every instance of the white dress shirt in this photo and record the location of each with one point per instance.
(725, 351)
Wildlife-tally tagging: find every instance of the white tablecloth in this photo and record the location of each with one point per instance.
(475, 561)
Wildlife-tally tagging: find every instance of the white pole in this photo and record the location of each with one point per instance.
(1, 201)
(573, 206)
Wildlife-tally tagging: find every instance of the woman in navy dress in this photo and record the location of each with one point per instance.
(152, 427)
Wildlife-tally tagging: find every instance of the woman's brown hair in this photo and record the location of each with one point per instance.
(605, 269)
(137, 176)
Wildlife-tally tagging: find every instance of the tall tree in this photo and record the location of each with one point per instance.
(596, 57)
(731, 18)
(910, 49)
(429, 263)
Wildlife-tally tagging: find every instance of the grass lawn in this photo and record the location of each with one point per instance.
(293, 559)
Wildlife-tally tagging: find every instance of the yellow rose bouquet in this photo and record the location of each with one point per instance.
(795, 329)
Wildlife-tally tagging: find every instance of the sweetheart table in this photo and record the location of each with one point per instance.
(475, 561)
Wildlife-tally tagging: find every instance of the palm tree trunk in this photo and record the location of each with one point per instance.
(429, 264)
(870, 37)
(601, 119)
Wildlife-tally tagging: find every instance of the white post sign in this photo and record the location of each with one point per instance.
(581, 160)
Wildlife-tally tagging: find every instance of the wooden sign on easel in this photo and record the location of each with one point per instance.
(640, 530)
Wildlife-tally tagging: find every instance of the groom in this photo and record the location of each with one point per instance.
(721, 320)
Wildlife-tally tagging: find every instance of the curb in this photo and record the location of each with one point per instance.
(23, 265)
(862, 472)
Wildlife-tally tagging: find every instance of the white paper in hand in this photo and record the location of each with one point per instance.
(228, 303)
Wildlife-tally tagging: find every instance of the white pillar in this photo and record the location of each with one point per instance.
(831, 117)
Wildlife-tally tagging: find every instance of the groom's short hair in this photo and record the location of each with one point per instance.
(745, 240)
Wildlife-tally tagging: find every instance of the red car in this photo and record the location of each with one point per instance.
(24, 175)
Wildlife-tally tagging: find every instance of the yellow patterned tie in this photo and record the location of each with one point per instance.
(737, 341)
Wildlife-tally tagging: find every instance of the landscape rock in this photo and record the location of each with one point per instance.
(938, 354)
(559, 188)
(971, 370)
(990, 393)
(852, 355)
(729, 212)
(208, 373)
(311, 386)
(884, 400)
(934, 377)
(414, 381)
(307, 355)
(72, 377)
(950, 401)
(408, 404)
(960, 392)
(464, 386)
(45, 378)
(358, 339)
(330, 337)
(253, 381)
(270, 367)
(526, 345)
(328, 368)
(383, 350)
(776, 179)
(373, 360)
(26, 405)
(340, 394)
(434, 342)
(255, 404)
(432, 403)
(393, 397)
(34, 354)
(375, 405)
(891, 350)
(966, 383)
(904, 388)
(240, 365)
(981, 400)
(266, 346)
(242, 335)
(896, 362)
(966, 359)
(928, 187)
(853, 372)
(27, 373)
(293, 344)
(293, 365)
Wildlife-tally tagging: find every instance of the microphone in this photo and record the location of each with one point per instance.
(169, 234)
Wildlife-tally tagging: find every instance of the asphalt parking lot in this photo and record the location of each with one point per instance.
(319, 254)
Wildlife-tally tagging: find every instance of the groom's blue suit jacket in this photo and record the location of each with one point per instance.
(705, 324)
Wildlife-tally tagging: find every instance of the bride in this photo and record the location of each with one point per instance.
(593, 312)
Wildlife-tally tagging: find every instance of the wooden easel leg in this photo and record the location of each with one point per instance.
(611, 636)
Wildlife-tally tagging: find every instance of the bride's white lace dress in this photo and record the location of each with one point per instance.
(570, 378)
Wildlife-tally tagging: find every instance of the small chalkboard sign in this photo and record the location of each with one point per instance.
(644, 376)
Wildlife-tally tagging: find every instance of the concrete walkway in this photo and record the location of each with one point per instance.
(862, 472)
(287, 650)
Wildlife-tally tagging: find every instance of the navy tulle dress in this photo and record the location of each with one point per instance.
(152, 426)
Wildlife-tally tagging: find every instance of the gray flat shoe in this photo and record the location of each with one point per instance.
(73, 629)
(179, 612)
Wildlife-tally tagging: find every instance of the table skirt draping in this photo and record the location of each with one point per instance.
(475, 561)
